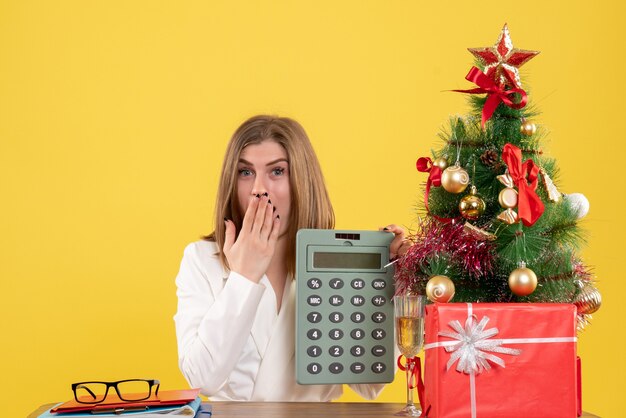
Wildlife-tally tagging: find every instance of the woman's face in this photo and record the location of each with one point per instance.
(264, 168)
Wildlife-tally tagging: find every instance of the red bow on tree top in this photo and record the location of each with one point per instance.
(495, 93)
(524, 175)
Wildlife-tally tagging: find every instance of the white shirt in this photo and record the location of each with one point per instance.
(232, 344)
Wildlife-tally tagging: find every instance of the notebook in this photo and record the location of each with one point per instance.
(112, 401)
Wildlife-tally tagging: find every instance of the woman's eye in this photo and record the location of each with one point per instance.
(278, 171)
(245, 172)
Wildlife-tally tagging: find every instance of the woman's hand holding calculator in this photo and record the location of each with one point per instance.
(400, 245)
(251, 252)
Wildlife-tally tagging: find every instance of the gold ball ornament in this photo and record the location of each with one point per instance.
(472, 206)
(528, 128)
(440, 289)
(454, 179)
(441, 162)
(588, 300)
(522, 281)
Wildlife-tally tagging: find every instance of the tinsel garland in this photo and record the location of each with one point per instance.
(586, 278)
(583, 272)
(436, 240)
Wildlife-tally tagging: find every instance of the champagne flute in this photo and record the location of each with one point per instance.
(409, 319)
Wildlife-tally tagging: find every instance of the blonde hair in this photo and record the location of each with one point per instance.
(310, 204)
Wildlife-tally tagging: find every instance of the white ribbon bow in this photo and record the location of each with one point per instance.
(474, 346)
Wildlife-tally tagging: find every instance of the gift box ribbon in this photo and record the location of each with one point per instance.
(472, 346)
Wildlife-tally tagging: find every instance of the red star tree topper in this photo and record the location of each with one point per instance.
(502, 60)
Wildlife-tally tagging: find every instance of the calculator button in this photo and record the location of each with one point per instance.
(335, 317)
(378, 334)
(314, 283)
(336, 283)
(379, 300)
(357, 334)
(314, 300)
(379, 350)
(357, 351)
(336, 300)
(379, 367)
(335, 368)
(335, 334)
(378, 317)
(314, 317)
(314, 351)
(314, 334)
(335, 350)
(357, 317)
(358, 300)
(314, 368)
(379, 284)
(358, 284)
(357, 367)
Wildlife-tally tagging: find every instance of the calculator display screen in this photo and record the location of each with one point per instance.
(346, 260)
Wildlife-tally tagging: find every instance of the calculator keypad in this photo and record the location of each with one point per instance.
(348, 328)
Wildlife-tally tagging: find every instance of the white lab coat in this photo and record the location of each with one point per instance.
(232, 344)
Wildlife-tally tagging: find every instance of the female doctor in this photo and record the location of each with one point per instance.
(235, 321)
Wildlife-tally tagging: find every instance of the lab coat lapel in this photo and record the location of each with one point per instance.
(276, 369)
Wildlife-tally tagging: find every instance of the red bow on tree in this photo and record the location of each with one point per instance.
(524, 175)
(425, 165)
(495, 93)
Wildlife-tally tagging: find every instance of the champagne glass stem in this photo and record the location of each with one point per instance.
(409, 391)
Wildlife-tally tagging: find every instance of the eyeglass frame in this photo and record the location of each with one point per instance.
(151, 383)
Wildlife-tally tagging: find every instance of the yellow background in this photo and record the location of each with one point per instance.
(114, 117)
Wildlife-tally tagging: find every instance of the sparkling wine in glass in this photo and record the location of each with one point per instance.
(409, 319)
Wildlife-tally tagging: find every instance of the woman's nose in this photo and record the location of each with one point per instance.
(259, 187)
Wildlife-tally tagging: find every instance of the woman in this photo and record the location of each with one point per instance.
(235, 320)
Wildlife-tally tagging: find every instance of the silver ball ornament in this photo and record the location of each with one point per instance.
(579, 203)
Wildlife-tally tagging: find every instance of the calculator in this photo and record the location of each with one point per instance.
(344, 315)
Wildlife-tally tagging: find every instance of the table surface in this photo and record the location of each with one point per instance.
(297, 409)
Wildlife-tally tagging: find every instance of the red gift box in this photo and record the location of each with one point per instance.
(500, 360)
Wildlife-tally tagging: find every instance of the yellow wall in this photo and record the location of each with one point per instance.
(114, 117)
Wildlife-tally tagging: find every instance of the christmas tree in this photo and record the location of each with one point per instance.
(496, 228)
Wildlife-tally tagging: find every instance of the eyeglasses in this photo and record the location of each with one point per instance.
(128, 390)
